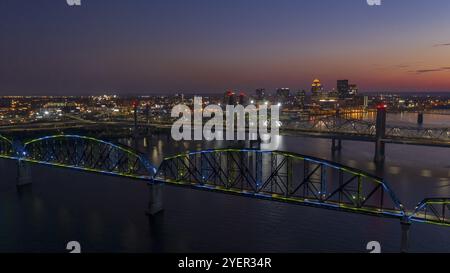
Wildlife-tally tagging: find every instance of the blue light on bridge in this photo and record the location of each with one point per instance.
(254, 190)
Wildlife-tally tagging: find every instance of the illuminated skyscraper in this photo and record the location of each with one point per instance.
(316, 88)
(353, 90)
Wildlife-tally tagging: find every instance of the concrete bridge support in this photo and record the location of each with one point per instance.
(420, 118)
(405, 225)
(135, 126)
(336, 145)
(155, 204)
(380, 134)
(379, 151)
(253, 144)
(23, 174)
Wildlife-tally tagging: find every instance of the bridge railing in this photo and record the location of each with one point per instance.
(86, 153)
(282, 176)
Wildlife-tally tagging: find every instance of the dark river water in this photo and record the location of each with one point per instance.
(107, 214)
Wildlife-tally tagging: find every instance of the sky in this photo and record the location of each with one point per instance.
(203, 46)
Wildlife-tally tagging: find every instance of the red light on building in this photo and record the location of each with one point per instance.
(381, 106)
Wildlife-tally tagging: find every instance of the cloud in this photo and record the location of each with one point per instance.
(440, 69)
(405, 66)
(440, 45)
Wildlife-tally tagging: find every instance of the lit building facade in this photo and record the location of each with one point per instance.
(316, 88)
(283, 94)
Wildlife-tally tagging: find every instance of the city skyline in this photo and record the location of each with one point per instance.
(154, 47)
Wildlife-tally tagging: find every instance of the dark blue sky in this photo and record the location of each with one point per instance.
(165, 46)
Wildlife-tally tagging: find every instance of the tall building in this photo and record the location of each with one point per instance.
(343, 89)
(243, 99)
(316, 88)
(260, 94)
(353, 90)
(229, 98)
(333, 94)
(283, 94)
(300, 98)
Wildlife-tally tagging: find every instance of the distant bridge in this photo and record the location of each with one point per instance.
(332, 127)
(354, 129)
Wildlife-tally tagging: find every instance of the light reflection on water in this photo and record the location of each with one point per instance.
(406, 118)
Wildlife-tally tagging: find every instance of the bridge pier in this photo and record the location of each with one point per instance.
(336, 145)
(23, 174)
(254, 144)
(380, 134)
(135, 125)
(420, 118)
(379, 151)
(155, 204)
(405, 225)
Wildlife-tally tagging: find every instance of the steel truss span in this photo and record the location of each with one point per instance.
(338, 125)
(433, 210)
(86, 153)
(282, 176)
(271, 175)
(6, 147)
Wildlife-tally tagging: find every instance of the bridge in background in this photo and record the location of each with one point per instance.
(335, 128)
(354, 129)
(270, 175)
(326, 127)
